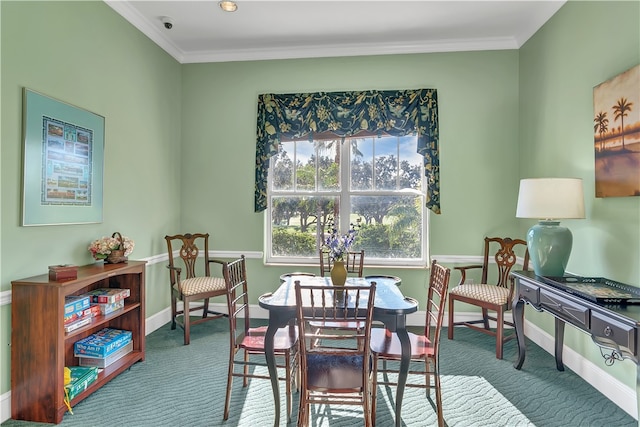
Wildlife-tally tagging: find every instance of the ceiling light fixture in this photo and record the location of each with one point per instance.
(228, 6)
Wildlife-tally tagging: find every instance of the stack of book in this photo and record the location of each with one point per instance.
(77, 312)
(80, 378)
(108, 300)
(103, 348)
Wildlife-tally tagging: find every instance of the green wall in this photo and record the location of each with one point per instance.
(219, 128)
(584, 44)
(85, 54)
(180, 139)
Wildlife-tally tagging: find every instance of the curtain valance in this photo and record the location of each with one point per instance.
(345, 114)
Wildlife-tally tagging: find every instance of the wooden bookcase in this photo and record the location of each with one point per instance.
(40, 348)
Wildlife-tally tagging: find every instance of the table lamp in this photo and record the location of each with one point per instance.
(550, 199)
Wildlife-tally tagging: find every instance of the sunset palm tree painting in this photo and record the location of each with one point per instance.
(616, 126)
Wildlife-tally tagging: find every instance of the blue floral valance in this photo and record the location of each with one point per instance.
(347, 114)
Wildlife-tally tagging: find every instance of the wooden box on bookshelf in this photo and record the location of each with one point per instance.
(40, 348)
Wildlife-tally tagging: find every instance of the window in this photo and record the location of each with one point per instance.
(376, 180)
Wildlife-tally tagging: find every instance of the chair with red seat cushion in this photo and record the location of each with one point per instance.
(385, 345)
(355, 267)
(250, 341)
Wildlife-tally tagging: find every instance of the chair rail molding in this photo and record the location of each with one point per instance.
(5, 296)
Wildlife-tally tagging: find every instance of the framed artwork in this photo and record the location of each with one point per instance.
(616, 126)
(63, 162)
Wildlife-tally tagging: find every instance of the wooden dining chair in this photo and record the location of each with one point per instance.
(355, 266)
(354, 263)
(249, 341)
(339, 370)
(191, 280)
(425, 347)
(494, 297)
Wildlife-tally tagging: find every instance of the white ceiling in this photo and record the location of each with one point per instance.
(265, 29)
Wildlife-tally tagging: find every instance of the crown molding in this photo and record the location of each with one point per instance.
(124, 9)
(300, 52)
(341, 50)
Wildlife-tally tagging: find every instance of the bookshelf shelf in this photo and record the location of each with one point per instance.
(40, 348)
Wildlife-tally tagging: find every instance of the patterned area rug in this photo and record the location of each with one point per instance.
(181, 385)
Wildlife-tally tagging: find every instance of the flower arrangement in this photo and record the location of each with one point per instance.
(339, 245)
(101, 248)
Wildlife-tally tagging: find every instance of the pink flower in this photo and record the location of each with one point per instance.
(102, 247)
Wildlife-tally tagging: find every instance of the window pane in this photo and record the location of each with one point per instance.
(361, 164)
(305, 166)
(328, 165)
(386, 163)
(294, 224)
(391, 226)
(411, 164)
(282, 167)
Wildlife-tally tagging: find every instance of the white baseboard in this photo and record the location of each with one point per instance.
(614, 390)
(5, 406)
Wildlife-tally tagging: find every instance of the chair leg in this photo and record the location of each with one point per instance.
(499, 334)
(436, 377)
(245, 370)
(450, 328)
(187, 324)
(427, 376)
(374, 389)
(205, 309)
(174, 309)
(287, 366)
(303, 408)
(368, 413)
(485, 318)
(227, 400)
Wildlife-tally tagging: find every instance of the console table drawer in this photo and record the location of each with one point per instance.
(529, 292)
(609, 329)
(565, 308)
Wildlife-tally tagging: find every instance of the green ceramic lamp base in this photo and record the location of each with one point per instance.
(549, 248)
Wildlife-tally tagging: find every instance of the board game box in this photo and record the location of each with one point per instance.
(81, 378)
(75, 303)
(102, 343)
(77, 324)
(109, 308)
(108, 295)
(103, 362)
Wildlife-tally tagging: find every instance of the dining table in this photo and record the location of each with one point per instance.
(391, 308)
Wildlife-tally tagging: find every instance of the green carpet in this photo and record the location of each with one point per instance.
(181, 385)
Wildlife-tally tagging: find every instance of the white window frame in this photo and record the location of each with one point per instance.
(344, 195)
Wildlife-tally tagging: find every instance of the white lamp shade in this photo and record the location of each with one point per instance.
(550, 198)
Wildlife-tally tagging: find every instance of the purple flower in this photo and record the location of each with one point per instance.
(339, 245)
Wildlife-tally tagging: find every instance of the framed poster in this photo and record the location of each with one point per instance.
(63, 162)
(616, 126)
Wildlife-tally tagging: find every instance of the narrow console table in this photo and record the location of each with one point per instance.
(614, 328)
